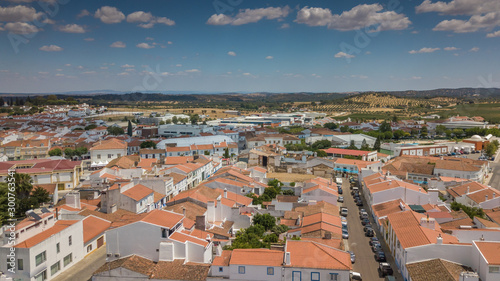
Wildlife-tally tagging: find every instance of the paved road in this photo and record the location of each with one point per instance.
(83, 270)
(358, 243)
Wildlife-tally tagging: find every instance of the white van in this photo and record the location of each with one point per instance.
(338, 180)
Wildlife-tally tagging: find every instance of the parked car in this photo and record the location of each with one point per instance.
(384, 269)
(370, 233)
(353, 256)
(345, 234)
(340, 199)
(376, 248)
(390, 278)
(363, 215)
(340, 190)
(360, 203)
(374, 240)
(343, 211)
(365, 221)
(356, 276)
(362, 211)
(380, 256)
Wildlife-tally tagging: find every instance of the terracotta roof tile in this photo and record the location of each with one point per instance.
(93, 226)
(257, 257)
(307, 254)
(490, 251)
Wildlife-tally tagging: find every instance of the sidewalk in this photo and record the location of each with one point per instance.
(83, 270)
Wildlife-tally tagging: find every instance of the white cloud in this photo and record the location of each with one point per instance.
(51, 48)
(109, 15)
(474, 49)
(414, 32)
(450, 48)
(83, 13)
(80, 67)
(269, 57)
(48, 21)
(424, 50)
(178, 65)
(128, 66)
(193, 70)
(250, 16)
(144, 46)
(484, 14)
(285, 26)
(493, 34)
(67, 64)
(170, 42)
(60, 75)
(247, 74)
(123, 74)
(43, 72)
(72, 28)
(343, 55)
(89, 72)
(89, 39)
(231, 53)
(103, 67)
(459, 7)
(358, 17)
(19, 13)
(147, 20)
(118, 44)
(416, 77)
(368, 53)
(150, 38)
(129, 69)
(20, 28)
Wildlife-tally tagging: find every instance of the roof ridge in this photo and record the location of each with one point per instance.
(318, 246)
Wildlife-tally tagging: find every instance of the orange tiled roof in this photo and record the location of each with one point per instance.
(93, 226)
(307, 254)
(257, 257)
(163, 218)
(490, 251)
(138, 192)
(35, 240)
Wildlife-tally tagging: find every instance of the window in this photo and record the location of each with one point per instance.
(98, 156)
(68, 259)
(40, 258)
(334, 276)
(42, 276)
(89, 248)
(163, 233)
(55, 268)
(109, 156)
(20, 264)
(119, 155)
(241, 269)
(70, 240)
(58, 248)
(221, 269)
(494, 269)
(270, 271)
(314, 276)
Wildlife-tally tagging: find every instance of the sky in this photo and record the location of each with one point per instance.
(248, 46)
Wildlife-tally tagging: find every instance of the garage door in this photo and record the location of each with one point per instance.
(100, 242)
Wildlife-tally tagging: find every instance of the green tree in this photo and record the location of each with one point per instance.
(376, 146)
(424, 132)
(458, 132)
(69, 153)
(440, 129)
(321, 144)
(490, 149)
(365, 146)
(148, 144)
(40, 195)
(385, 127)
(55, 152)
(270, 238)
(352, 145)
(79, 151)
(115, 131)
(90, 127)
(266, 220)
(175, 120)
(448, 133)
(344, 129)
(226, 153)
(195, 118)
(331, 126)
(388, 135)
(129, 128)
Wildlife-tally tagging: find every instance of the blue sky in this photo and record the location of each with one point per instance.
(242, 45)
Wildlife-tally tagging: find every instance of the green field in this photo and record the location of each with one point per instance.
(489, 111)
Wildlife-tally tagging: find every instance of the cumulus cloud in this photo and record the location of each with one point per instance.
(128, 66)
(269, 57)
(19, 13)
(250, 16)
(484, 14)
(358, 17)
(424, 50)
(284, 26)
(20, 28)
(109, 15)
(72, 28)
(51, 48)
(231, 53)
(147, 20)
(493, 34)
(193, 70)
(118, 44)
(450, 48)
(474, 49)
(344, 55)
(144, 46)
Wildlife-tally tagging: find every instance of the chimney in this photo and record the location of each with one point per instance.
(467, 190)
(486, 197)
(439, 240)
(184, 212)
(287, 258)
(493, 197)
(120, 186)
(225, 192)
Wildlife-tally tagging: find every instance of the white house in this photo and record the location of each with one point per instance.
(486, 260)
(104, 151)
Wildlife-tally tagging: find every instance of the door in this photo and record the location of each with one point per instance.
(100, 242)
